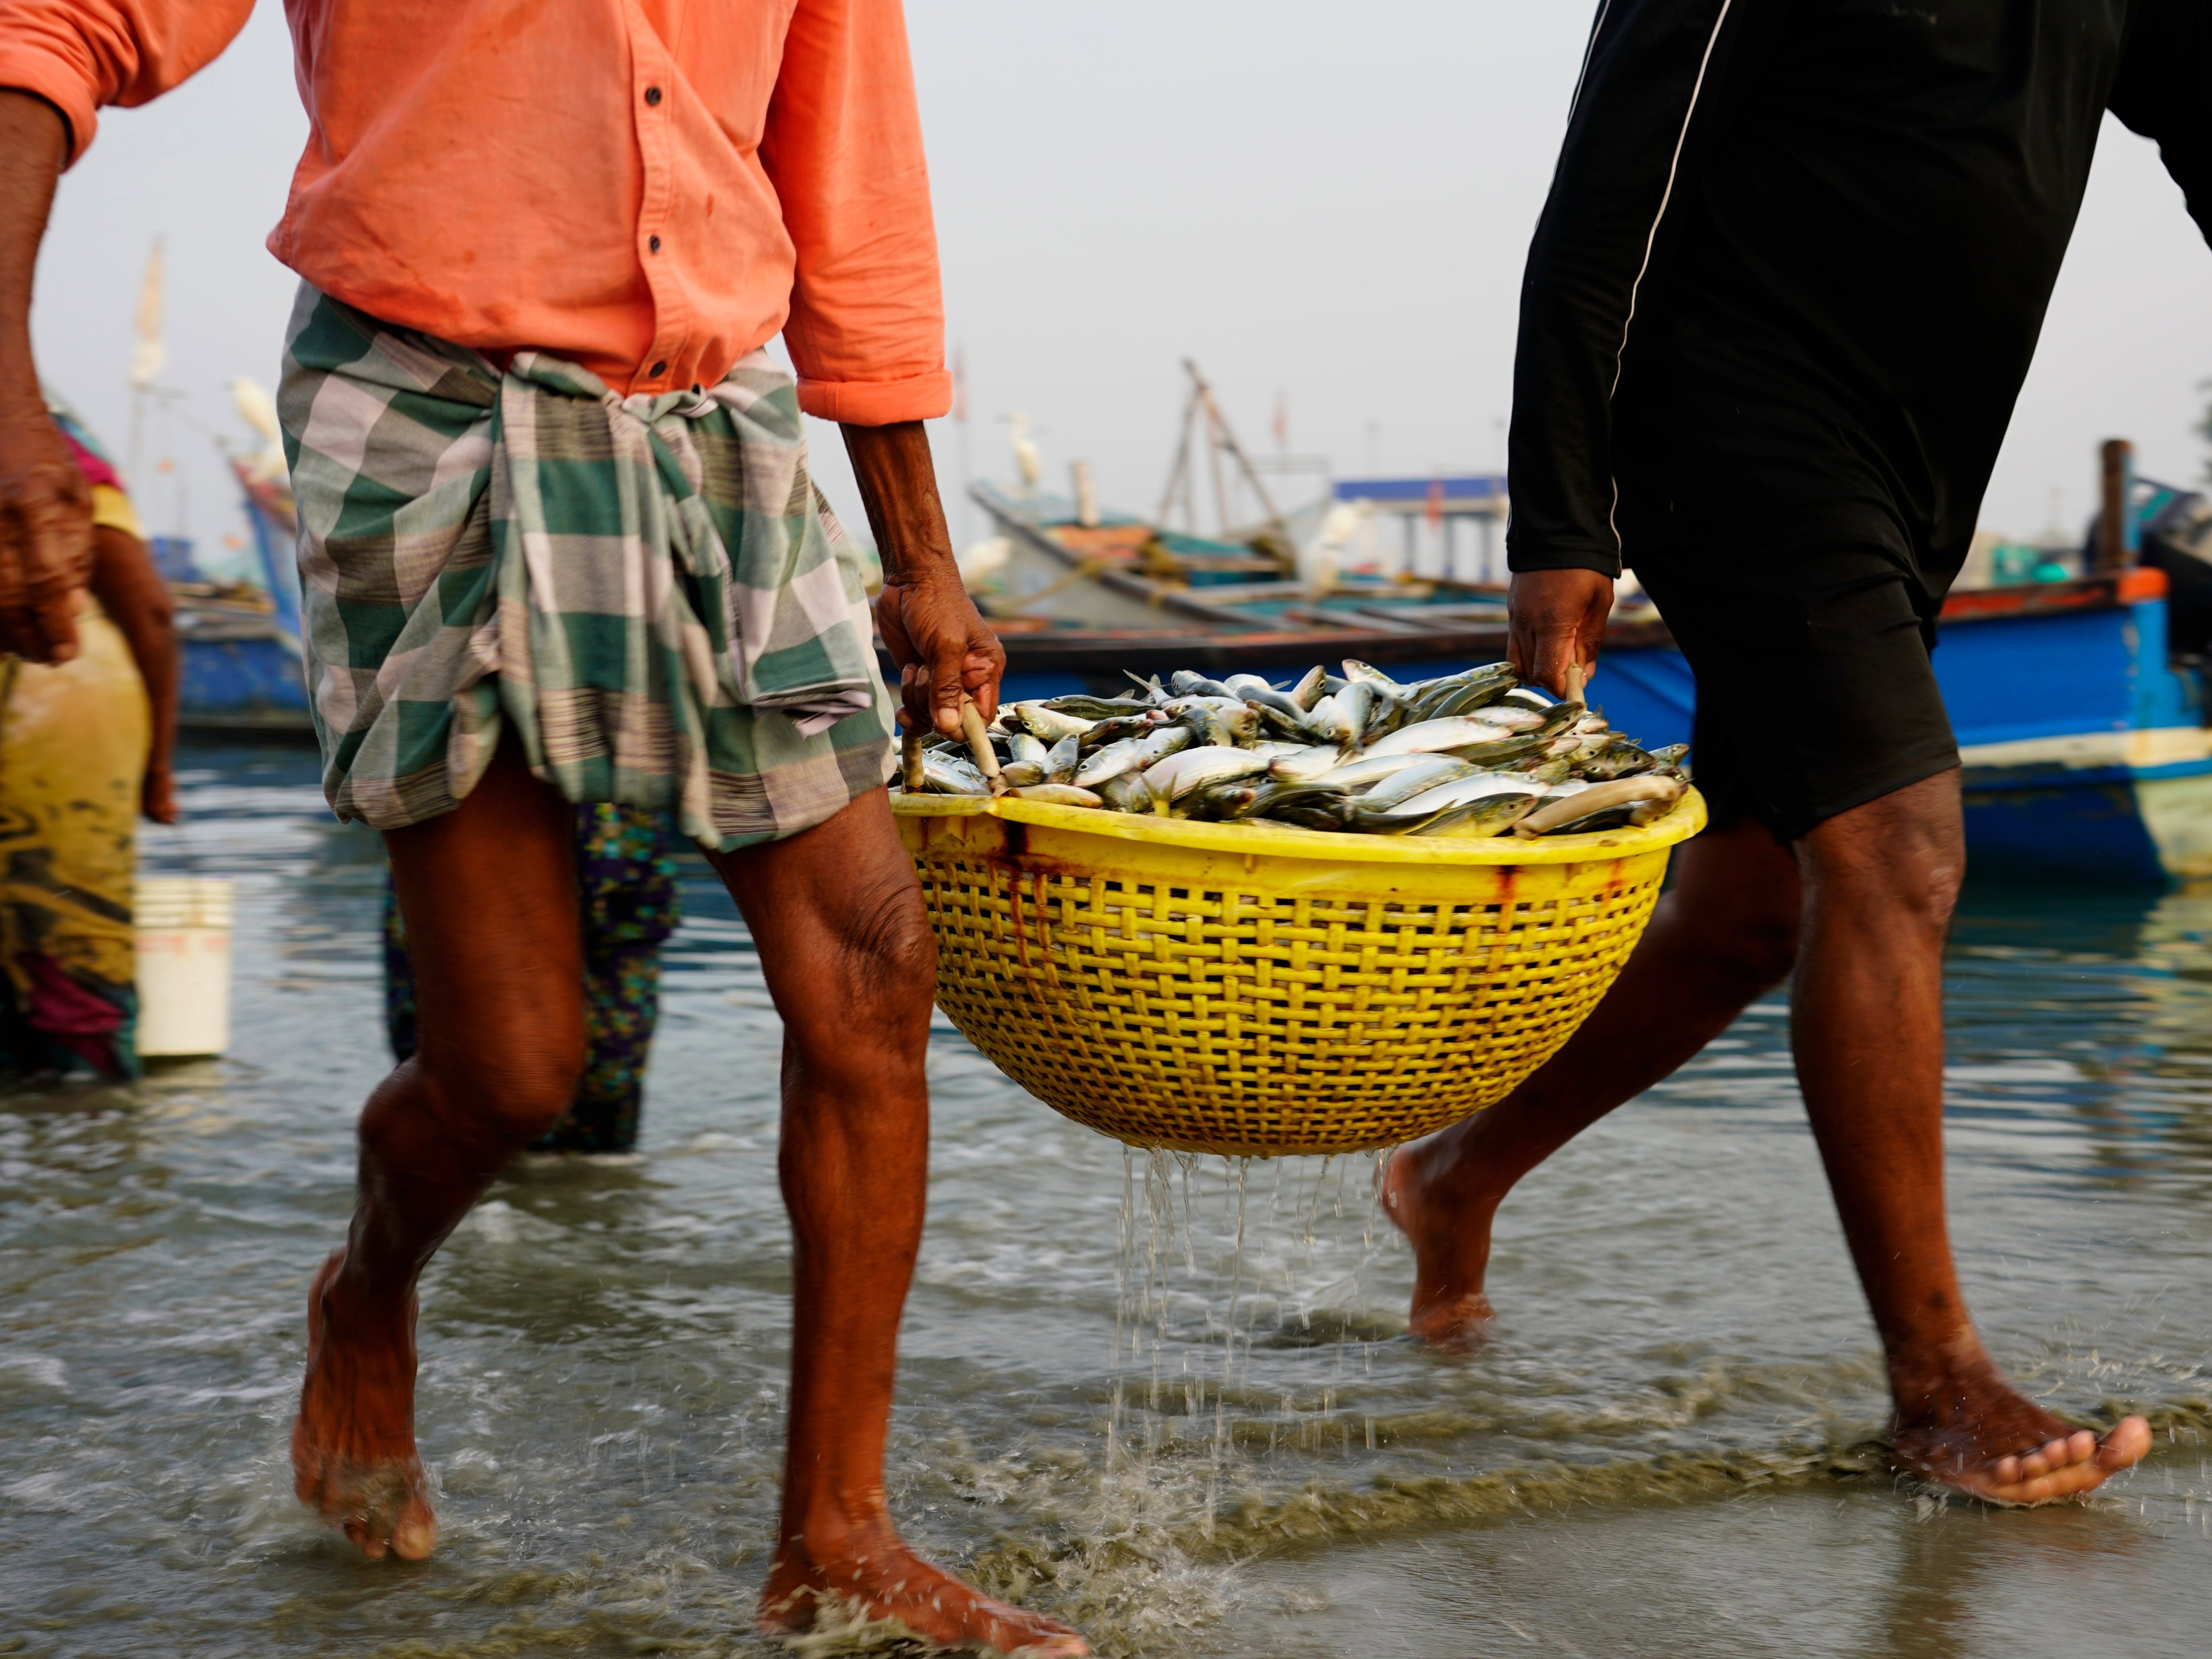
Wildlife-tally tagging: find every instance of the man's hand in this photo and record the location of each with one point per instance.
(929, 624)
(1556, 618)
(943, 647)
(45, 510)
(157, 797)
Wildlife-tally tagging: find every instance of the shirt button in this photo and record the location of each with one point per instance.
(659, 368)
(653, 95)
(653, 244)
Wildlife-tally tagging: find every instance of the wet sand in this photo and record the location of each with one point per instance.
(1665, 1452)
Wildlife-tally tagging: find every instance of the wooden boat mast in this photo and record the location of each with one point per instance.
(1199, 407)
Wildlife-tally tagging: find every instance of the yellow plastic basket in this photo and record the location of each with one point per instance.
(1250, 991)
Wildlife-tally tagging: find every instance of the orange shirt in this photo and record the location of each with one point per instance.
(651, 188)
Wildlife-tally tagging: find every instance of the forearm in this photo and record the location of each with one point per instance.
(137, 601)
(899, 488)
(34, 143)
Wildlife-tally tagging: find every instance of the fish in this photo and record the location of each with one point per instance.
(1116, 727)
(1528, 696)
(1130, 755)
(1357, 672)
(944, 773)
(1673, 754)
(1303, 763)
(1021, 774)
(1427, 772)
(1210, 722)
(1126, 794)
(1311, 688)
(1212, 802)
(1152, 690)
(1617, 759)
(1433, 736)
(1560, 810)
(1276, 713)
(1050, 724)
(1368, 769)
(1330, 722)
(1177, 775)
(1275, 794)
(1476, 694)
(1097, 708)
(1059, 794)
(1185, 684)
(1063, 757)
(1023, 746)
(1491, 815)
(1359, 700)
(1455, 800)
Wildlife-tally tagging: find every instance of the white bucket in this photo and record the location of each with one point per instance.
(183, 924)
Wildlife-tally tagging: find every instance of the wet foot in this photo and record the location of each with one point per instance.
(1451, 1237)
(1959, 1424)
(872, 1576)
(353, 1443)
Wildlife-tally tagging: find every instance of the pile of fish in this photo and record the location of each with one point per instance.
(1474, 753)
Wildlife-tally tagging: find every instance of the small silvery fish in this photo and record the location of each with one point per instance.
(1308, 690)
(1435, 736)
(1426, 773)
(1559, 810)
(1491, 815)
(1050, 724)
(1177, 775)
(1059, 794)
(1062, 759)
(1025, 747)
(944, 773)
(1020, 774)
(1302, 765)
(1357, 775)
(1126, 794)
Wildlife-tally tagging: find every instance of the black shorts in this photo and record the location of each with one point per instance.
(1815, 693)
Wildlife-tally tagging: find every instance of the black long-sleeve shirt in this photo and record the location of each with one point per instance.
(1796, 257)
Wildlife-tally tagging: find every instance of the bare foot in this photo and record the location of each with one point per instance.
(1450, 1237)
(873, 1575)
(1962, 1426)
(353, 1443)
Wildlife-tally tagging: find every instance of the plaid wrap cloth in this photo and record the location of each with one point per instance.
(649, 588)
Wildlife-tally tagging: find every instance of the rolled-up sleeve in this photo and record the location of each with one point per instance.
(82, 55)
(843, 147)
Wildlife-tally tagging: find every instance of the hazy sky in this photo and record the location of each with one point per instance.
(1322, 201)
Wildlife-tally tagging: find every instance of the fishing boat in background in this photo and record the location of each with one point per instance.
(2077, 697)
(239, 643)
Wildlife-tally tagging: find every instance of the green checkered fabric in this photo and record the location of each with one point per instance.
(649, 589)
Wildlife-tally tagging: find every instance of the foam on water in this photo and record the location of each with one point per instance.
(1167, 1399)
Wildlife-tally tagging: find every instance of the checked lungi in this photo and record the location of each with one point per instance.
(648, 590)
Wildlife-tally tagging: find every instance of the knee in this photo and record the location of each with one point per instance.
(875, 982)
(504, 1093)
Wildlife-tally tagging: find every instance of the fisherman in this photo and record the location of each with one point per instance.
(1776, 314)
(559, 543)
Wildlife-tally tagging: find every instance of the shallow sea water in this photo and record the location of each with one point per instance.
(1106, 1408)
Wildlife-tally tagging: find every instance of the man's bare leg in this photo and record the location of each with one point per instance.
(1866, 1026)
(1725, 934)
(849, 959)
(1877, 884)
(489, 895)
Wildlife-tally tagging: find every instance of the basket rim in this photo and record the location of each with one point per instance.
(1681, 821)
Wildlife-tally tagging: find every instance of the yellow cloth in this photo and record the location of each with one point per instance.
(74, 741)
(112, 508)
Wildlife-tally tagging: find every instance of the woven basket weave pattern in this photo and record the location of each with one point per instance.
(1263, 1006)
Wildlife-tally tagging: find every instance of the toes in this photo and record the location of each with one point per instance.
(2125, 1446)
(416, 1534)
(2008, 1472)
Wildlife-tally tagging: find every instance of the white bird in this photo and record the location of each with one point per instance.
(1025, 453)
(259, 410)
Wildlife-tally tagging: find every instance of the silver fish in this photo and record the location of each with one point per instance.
(1464, 792)
(1327, 720)
(1302, 765)
(1308, 691)
(1126, 794)
(1368, 769)
(1356, 670)
(1178, 774)
(1427, 773)
(1021, 774)
(1025, 747)
(1564, 809)
(1059, 794)
(1492, 815)
(1050, 724)
(1131, 754)
(1434, 736)
(944, 773)
(1063, 757)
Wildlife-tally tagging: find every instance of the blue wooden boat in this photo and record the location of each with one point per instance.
(241, 669)
(2086, 755)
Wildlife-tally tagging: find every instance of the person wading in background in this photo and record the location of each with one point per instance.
(1776, 312)
(85, 749)
(558, 545)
